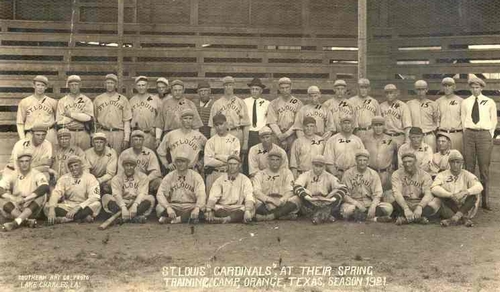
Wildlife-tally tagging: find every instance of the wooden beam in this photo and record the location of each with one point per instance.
(362, 10)
(119, 71)
(194, 12)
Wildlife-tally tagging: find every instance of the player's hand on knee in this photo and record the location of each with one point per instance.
(171, 213)
(195, 213)
(72, 212)
(409, 215)
(247, 217)
(209, 214)
(417, 212)
(51, 217)
(125, 213)
(371, 213)
(133, 210)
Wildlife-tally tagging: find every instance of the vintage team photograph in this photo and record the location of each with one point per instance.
(249, 145)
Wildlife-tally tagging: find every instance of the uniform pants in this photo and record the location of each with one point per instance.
(236, 212)
(80, 138)
(449, 207)
(477, 147)
(6, 207)
(431, 209)
(457, 140)
(382, 209)
(291, 206)
(68, 205)
(181, 209)
(145, 207)
(309, 209)
(115, 140)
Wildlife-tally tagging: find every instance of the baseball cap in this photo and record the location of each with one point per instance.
(408, 154)
(128, 159)
(63, 132)
(177, 82)
(346, 118)
(234, 157)
(448, 81)
(420, 84)
(339, 82)
(24, 152)
(390, 87)
(416, 131)
(363, 82)
(442, 134)
(39, 128)
(162, 80)
(275, 152)
(219, 118)
(265, 131)
(111, 77)
(41, 78)
(313, 89)
(319, 159)
(139, 78)
(363, 152)
(187, 112)
(74, 78)
(227, 79)
(137, 133)
(203, 84)
(284, 80)
(99, 135)
(475, 80)
(308, 120)
(73, 158)
(182, 156)
(455, 155)
(378, 120)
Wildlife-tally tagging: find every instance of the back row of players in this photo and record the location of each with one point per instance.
(332, 136)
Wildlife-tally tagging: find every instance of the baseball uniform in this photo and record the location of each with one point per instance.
(439, 162)
(61, 157)
(382, 151)
(278, 185)
(425, 115)
(236, 112)
(169, 118)
(219, 145)
(397, 119)
(231, 197)
(424, 155)
(75, 105)
(41, 158)
(188, 142)
(281, 112)
(364, 111)
(320, 113)
(147, 163)
(144, 113)
(340, 151)
(258, 158)
(33, 110)
(103, 166)
(303, 150)
(339, 108)
(450, 121)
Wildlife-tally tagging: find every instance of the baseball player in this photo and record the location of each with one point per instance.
(236, 112)
(129, 193)
(218, 149)
(305, 148)
(322, 115)
(397, 115)
(365, 109)
(411, 189)
(231, 196)
(258, 154)
(459, 191)
(37, 109)
(22, 193)
(273, 190)
(422, 151)
(181, 196)
(145, 109)
(102, 161)
(450, 121)
(184, 140)
(424, 113)
(75, 112)
(340, 150)
(64, 151)
(440, 158)
(339, 104)
(169, 118)
(76, 196)
(204, 106)
(383, 150)
(163, 89)
(320, 192)
(113, 114)
(364, 197)
(147, 162)
(281, 114)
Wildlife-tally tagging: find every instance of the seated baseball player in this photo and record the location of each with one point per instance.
(273, 190)
(320, 192)
(22, 193)
(440, 158)
(129, 194)
(181, 196)
(422, 151)
(305, 148)
(218, 148)
(411, 185)
(76, 196)
(459, 191)
(364, 197)
(102, 161)
(231, 197)
(258, 154)
(184, 140)
(147, 162)
(64, 151)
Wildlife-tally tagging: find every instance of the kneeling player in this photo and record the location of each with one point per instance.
(365, 192)
(76, 196)
(22, 193)
(321, 192)
(273, 190)
(129, 193)
(181, 196)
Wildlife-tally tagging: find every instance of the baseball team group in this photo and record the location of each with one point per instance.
(227, 159)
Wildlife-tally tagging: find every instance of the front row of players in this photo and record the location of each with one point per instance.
(273, 193)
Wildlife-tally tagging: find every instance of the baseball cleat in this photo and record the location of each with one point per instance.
(468, 223)
(31, 223)
(139, 219)
(401, 220)
(423, 221)
(221, 220)
(382, 219)
(9, 226)
(445, 222)
(164, 220)
(88, 219)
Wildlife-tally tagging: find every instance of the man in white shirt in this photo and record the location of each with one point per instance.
(479, 118)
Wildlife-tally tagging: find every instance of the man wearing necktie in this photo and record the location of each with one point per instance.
(479, 118)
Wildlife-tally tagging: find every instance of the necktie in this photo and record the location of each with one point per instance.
(475, 112)
(254, 114)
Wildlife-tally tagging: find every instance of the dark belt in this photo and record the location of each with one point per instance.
(383, 169)
(450, 131)
(476, 130)
(363, 129)
(109, 129)
(10, 167)
(75, 130)
(395, 134)
(234, 129)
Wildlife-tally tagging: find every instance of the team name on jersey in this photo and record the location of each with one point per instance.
(114, 103)
(144, 105)
(360, 180)
(392, 112)
(79, 104)
(317, 112)
(131, 184)
(366, 105)
(193, 143)
(182, 184)
(39, 107)
(231, 105)
(409, 182)
(287, 108)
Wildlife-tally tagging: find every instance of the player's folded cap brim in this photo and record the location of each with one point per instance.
(234, 157)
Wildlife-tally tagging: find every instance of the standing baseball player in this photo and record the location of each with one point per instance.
(22, 193)
(365, 109)
(37, 109)
(281, 114)
(163, 89)
(147, 162)
(411, 189)
(102, 161)
(76, 196)
(339, 104)
(440, 158)
(64, 151)
(181, 196)
(236, 112)
(75, 112)
(340, 150)
(305, 148)
(320, 192)
(364, 198)
(422, 151)
(450, 121)
(479, 118)
(218, 149)
(273, 190)
(459, 191)
(204, 106)
(231, 196)
(113, 114)
(397, 115)
(184, 141)
(424, 113)
(258, 154)
(322, 115)
(129, 194)
(145, 107)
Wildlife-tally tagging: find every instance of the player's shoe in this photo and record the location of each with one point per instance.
(289, 216)
(260, 218)
(177, 220)
(382, 219)
(164, 220)
(88, 219)
(221, 220)
(401, 220)
(139, 219)
(468, 222)
(31, 223)
(445, 222)
(9, 226)
(60, 220)
(423, 221)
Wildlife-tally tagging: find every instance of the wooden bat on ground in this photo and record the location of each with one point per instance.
(110, 220)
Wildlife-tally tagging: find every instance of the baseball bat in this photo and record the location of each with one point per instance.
(110, 220)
